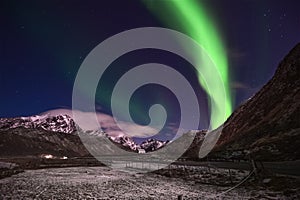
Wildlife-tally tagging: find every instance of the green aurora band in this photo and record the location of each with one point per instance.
(191, 18)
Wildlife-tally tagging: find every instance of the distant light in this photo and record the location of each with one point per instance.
(49, 156)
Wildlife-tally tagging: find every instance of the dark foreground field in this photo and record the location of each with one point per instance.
(105, 183)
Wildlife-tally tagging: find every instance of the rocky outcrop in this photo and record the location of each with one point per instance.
(152, 145)
(193, 151)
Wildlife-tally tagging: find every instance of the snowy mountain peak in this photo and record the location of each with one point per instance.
(125, 141)
(152, 144)
(65, 124)
(59, 123)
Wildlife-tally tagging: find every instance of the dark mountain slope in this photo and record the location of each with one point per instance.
(267, 126)
(34, 142)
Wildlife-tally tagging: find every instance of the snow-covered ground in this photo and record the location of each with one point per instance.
(105, 183)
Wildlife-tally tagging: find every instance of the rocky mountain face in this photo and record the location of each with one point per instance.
(59, 123)
(152, 145)
(125, 142)
(267, 126)
(193, 151)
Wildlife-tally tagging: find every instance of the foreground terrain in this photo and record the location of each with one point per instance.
(105, 183)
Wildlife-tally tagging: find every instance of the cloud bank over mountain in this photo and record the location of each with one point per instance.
(107, 123)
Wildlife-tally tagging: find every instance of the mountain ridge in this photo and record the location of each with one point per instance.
(65, 124)
(267, 126)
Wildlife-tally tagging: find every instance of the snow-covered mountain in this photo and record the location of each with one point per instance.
(152, 144)
(59, 123)
(125, 141)
(63, 123)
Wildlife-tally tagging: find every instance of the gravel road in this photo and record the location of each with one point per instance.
(105, 183)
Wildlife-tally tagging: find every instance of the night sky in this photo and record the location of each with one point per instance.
(43, 44)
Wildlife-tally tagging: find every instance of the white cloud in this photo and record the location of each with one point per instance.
(107, 123)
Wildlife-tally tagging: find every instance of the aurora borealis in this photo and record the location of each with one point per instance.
(44, 43)
(197, 24)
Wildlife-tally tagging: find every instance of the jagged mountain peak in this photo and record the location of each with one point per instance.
(152, 144)
(58, 123)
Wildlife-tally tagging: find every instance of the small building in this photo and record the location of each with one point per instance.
(47, 156)
(141, 151)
